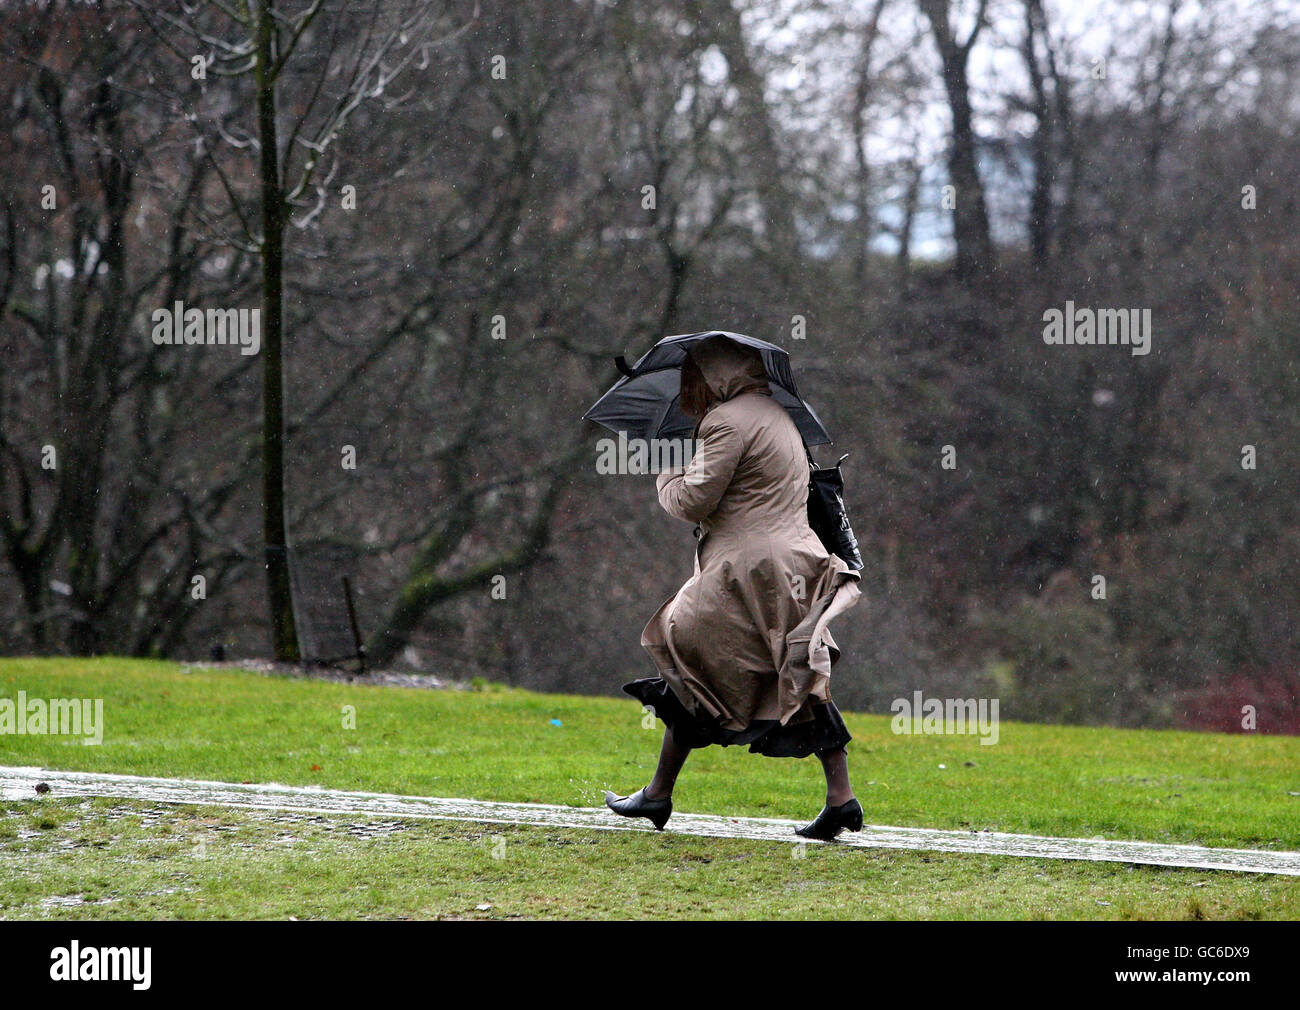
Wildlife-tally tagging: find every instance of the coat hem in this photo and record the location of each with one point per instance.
(823, 730)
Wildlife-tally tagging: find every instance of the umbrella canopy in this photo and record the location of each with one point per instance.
(644, 403)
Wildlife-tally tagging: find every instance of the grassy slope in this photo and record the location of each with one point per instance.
(1160, 786)
(123, 861)
(162, 720)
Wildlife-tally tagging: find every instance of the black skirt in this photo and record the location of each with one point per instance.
(824, 731)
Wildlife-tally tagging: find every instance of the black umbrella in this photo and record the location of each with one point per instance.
(644, 403)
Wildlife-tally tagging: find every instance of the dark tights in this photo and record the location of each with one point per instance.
(835, 765)
(672, 755)
(671, 758)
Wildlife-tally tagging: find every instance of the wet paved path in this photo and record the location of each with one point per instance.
(20, 783)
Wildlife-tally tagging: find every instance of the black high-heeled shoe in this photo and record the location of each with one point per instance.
(832, 820)
(640, 805)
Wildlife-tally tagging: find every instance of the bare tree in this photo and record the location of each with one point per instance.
(115, 510)
(970, 217)
(366, 47)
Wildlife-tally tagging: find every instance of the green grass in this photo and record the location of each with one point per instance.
(100, 859)
(164, 719)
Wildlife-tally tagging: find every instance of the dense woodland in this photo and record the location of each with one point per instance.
(471, 207)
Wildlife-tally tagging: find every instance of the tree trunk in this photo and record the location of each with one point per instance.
(284, 637)
(424, 588)
(862, 184)
(719, 23)
(970, 218)
(1043, 149)
(911, 200)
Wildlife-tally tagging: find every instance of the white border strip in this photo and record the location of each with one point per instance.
(20, 783)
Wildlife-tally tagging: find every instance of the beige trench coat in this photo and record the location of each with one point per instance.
(747, 638)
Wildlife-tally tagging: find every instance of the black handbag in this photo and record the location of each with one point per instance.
(827, 515)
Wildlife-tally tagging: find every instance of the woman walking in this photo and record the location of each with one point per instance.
(743, 649)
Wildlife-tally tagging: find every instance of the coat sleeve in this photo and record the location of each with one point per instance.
(692, 494)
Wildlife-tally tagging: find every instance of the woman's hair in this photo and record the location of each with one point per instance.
(696, 396)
